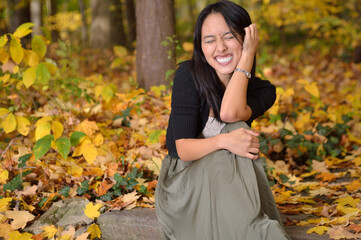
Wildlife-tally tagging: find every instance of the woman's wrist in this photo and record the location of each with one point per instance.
(245, 62)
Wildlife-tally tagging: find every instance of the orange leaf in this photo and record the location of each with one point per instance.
(326, 176)
(104, 187)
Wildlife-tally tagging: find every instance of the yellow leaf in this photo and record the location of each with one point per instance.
(87, 127)
(3, 40)
(348, 201)
(351, 137)
(357, 161)
(313, 89)
(283, 196)
(107, 93)
(4, 176)
(289, 93)
(5, 229)
(75, 171)
(4, 203)
(320, 230)
(98, 140)
(98, 90)
(49, 231)
(51, 68)
(66, 237)
(89, 151)
(23, 125)
(16, 69)
(187, 46)
(57, 128)
(94, 231)
(29, 76)
(4, 56)
(306, 200)
(9, 123)
(355, 185)
(20, 218)
(31, 58)
(92, 211)
(16, 51)
(347, 210)
(43, 120)
(274, 109)
(20, 236)
(42, 130)
(23, 30)
(3, 111)
(302, 119)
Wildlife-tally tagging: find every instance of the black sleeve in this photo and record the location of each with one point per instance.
(261, 95)
(185, 105)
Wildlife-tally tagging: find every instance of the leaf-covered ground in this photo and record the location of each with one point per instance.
(84, 129)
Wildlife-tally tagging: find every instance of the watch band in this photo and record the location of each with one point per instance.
(248, 74)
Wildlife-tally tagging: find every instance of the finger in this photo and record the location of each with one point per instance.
(247, 35)
(251, 132)
(256, 32)
(251, 156)
(255, 145)
(253, 150)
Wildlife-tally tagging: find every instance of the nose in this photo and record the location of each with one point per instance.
(221, 45)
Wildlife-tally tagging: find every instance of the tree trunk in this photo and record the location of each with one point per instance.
(84, 30)
(36, 16)
(19, 13)
(130, 12)
(190, 6)
(118, 36)
(155, 22)
(100, 26)
(52, 11)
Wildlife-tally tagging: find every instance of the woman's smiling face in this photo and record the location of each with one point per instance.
(220, 47)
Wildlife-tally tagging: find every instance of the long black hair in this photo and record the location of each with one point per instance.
(206, 79)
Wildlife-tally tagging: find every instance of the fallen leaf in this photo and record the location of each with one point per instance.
(20, 218)
(5, 229)
(320, 230)
(49, 231)
(92, 211)
(15, 235)
(94, 231)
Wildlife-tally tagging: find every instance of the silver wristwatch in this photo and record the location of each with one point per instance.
(248, 74)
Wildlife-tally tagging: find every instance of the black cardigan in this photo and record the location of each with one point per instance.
(189, 112)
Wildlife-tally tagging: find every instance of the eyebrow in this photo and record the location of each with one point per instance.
(212, 36)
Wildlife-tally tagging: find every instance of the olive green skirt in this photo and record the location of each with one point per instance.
(219, 197)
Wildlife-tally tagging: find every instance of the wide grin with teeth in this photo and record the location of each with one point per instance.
(224, 59)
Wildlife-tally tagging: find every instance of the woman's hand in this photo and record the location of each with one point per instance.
(251, 39)
(243, 142)
(250, 44)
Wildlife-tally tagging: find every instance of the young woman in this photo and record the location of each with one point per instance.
(211, 185)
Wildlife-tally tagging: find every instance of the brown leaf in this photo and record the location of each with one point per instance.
(104, 187)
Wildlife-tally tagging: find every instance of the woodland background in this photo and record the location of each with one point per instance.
(85, 89)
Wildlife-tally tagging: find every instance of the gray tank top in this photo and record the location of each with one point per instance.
(212, 128)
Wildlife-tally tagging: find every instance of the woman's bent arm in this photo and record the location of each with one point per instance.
(242, 142)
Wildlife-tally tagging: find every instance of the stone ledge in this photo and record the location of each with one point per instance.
(142, 224)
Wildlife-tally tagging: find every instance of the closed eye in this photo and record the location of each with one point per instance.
(209, 41)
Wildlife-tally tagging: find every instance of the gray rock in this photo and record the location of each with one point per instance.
(142, 224)
(62, 213)
(137, 224)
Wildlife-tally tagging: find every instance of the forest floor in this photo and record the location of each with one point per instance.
(93, 134)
